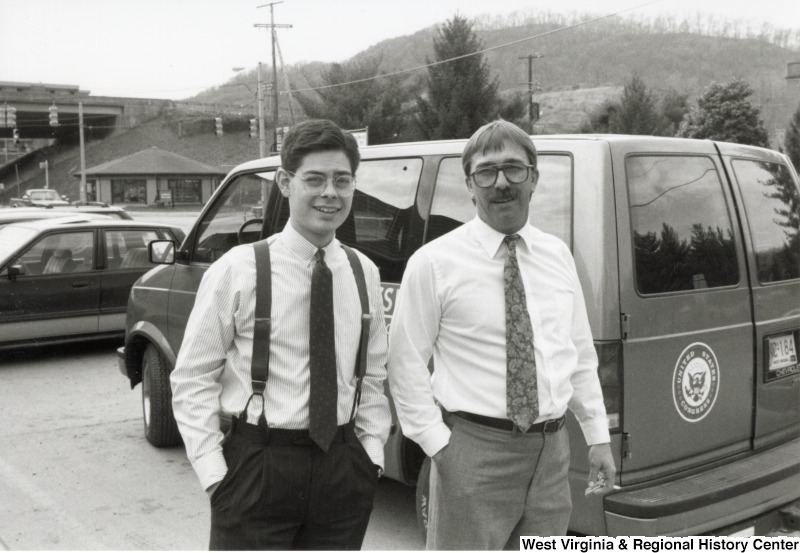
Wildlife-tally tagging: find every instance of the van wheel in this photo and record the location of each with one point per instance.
(160, 428)
(423, 496)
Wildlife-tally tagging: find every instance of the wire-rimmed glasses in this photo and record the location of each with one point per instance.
(315, 185)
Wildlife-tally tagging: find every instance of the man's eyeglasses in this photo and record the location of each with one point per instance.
(516, 173)
(315, 185)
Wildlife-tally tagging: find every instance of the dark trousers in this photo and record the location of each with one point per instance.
(283, 492)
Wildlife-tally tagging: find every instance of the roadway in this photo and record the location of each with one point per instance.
(77, 474)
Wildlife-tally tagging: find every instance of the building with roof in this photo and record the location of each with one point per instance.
(152, 176)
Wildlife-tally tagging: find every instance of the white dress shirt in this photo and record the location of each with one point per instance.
(212, 372)
(451, 305)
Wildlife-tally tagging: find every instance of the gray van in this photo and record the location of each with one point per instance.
(689, 256)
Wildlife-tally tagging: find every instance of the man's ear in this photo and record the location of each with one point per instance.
(468, 182)
(283, 180)
(535, 180)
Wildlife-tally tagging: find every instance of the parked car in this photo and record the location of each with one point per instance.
(39, 197)
(75, 209)
(8, 216)
(688, 252)
(67, 279)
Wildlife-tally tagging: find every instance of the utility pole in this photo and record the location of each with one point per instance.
(530, 58)
(262, 138)
(82, 191)
(272, 26)
(46, 164)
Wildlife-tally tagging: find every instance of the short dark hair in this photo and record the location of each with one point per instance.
(317, 135)
(492, 137)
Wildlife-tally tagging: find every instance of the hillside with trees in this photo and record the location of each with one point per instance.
(582, 64)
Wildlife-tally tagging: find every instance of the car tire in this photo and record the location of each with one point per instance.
(423, 496)
(160, 428)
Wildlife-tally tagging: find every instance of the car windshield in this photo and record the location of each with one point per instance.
(45, 195)
(11, 236)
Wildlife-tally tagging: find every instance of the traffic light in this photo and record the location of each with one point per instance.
(16, 135)
(218, 125)
(53, 115)
(11, 117)
(254, 128)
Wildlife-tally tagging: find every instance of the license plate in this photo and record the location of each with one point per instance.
(782, 352)
(781, 357)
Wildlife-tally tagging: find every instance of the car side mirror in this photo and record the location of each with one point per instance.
(162, 252)
(15, 270)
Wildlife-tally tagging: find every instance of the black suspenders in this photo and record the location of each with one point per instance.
(263, 325)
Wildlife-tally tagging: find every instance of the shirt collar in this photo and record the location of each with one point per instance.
(491, 240)
(302, 248)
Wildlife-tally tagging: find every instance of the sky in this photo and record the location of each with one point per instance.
(177, 48)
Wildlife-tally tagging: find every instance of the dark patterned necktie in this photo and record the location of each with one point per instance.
(322, 347)
(522, 401)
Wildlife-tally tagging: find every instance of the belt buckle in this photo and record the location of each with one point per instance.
(551, 426)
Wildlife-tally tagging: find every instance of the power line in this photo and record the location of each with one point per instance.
(463, 56)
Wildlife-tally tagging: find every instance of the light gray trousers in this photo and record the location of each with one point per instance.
(489, 487)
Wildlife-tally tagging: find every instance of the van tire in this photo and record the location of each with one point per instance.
(160, 428)
(423, 496)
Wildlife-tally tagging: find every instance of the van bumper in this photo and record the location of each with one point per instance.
(709, 500)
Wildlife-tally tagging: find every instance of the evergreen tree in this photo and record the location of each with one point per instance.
(461, 95)
(378, 104)
(725, 113)
(792, 141)
(600, 120)
(637, 113)
(674, 107)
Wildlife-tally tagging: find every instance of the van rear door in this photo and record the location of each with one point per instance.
(767, 191)
(686, 312)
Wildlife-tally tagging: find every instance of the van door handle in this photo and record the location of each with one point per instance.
(82, 284)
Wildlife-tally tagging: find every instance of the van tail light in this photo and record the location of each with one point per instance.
(609, 356)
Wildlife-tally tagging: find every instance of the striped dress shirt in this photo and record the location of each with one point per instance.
(212, 372)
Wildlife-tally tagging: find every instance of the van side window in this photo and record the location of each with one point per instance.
(772, 206)
(550, 209)
(379, 221)
(682, 232)
(243, 199)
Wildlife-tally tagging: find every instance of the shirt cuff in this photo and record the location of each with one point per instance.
(210, 468)
(596, 431)
(434, 439)
(374, 448)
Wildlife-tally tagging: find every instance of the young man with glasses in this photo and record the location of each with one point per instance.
(282, 359)
(498, 305)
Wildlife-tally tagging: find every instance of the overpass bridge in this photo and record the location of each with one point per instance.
(103, 114)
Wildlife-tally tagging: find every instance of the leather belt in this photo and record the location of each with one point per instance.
(545, 427)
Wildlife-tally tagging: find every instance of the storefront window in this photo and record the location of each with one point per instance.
(129, 191)
(185, 191)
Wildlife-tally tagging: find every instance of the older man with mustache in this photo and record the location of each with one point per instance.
(498, 305)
